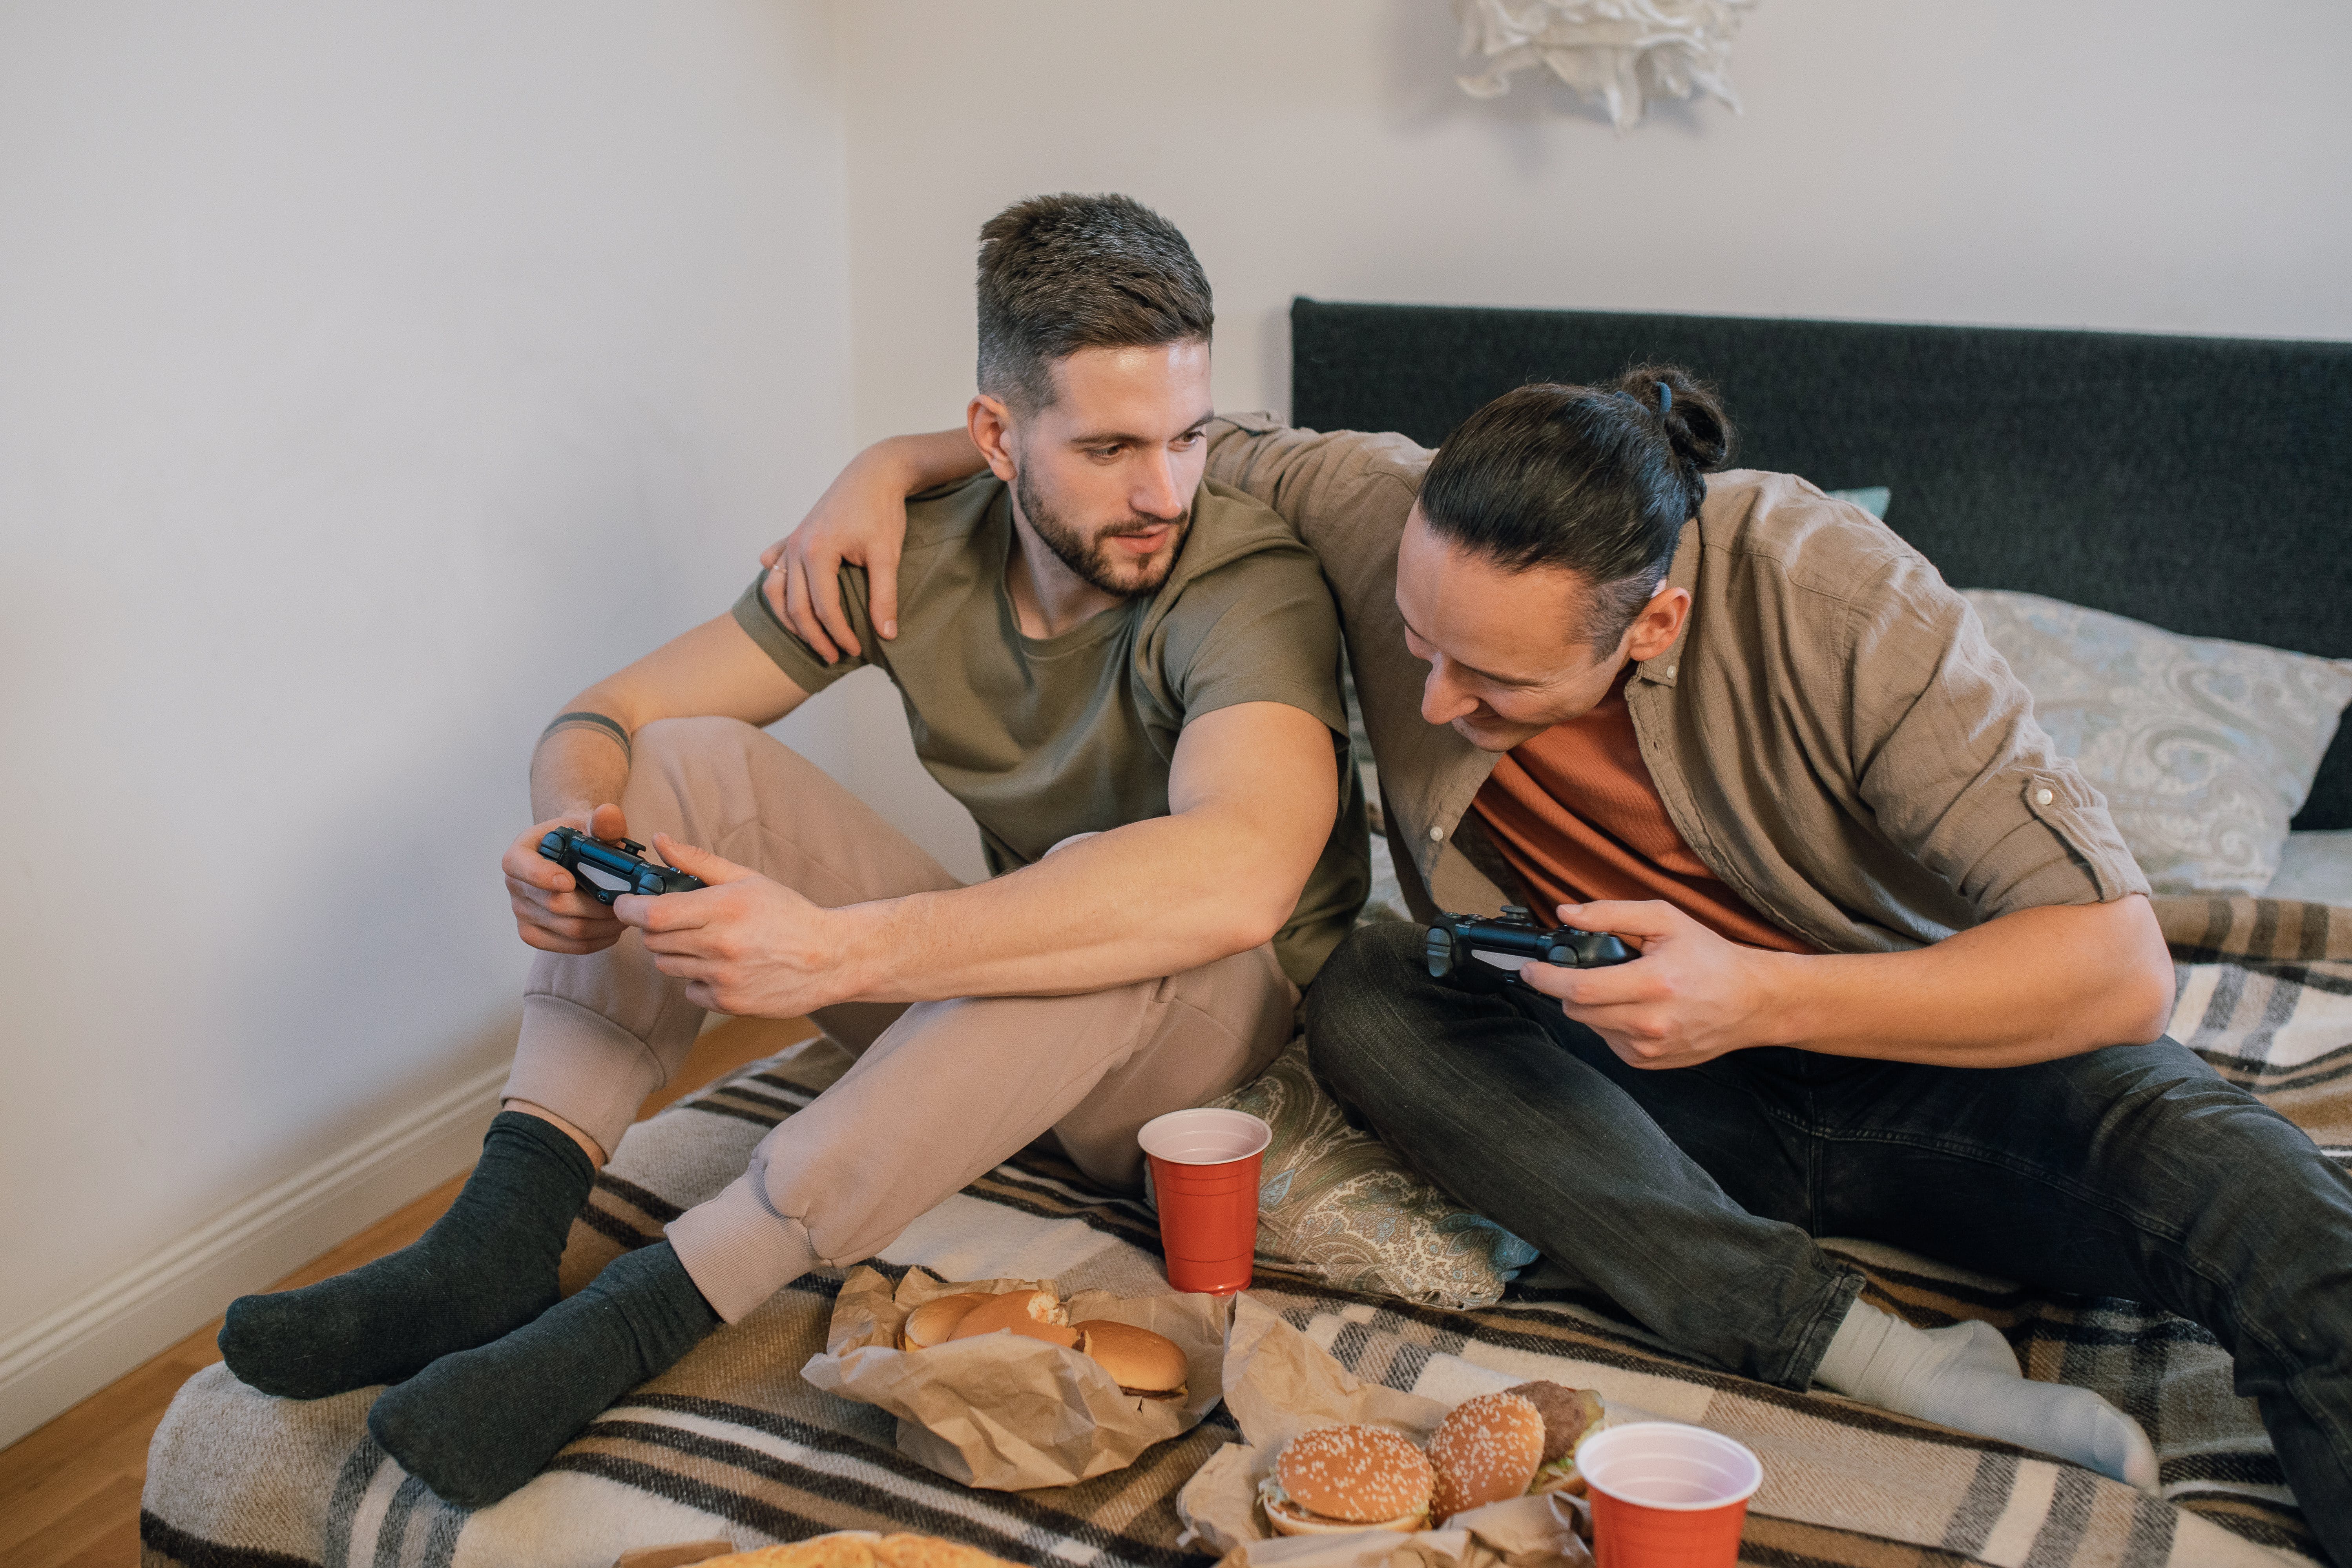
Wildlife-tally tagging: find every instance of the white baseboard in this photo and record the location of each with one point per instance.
(53, 1364)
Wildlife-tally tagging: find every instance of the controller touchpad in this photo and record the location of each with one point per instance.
(604, 879)
(1510, 962)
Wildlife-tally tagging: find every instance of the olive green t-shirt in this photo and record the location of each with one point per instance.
(1042, 738)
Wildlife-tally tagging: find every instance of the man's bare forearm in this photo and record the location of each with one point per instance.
(1147, 899)
(1255, 788)
(582, 763)
(2030, 986)
(582, 760)
(911, 463)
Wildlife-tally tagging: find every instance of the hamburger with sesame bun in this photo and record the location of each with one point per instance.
(1334, 1479)
(1501, 1446)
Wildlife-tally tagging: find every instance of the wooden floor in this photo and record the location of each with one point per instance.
(69, 1492)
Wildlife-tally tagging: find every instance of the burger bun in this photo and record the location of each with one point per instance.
(934, 1320)
(1145, 1365)
(1487, 1449)
(1289, 1519)
(1033, 1314)
(1337, 1479)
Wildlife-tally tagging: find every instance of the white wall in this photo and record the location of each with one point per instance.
(372, 378)
(2163, 165)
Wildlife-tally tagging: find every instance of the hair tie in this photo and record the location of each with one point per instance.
(1665, 400)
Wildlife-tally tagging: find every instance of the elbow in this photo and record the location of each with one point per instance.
(2135, 1006)
(1255, 915)
(2145, 1007)
(2153, 987)
(1253, 928)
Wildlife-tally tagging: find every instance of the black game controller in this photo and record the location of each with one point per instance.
(1454, 939)
(607, 868)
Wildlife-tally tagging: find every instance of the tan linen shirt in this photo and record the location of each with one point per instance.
(1041, 738)
(1832, 733)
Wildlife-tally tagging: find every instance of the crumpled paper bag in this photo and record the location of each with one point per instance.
(1279, 1383)
(1003, 1412)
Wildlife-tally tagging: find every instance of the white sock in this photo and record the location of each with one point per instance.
(1965, 1376)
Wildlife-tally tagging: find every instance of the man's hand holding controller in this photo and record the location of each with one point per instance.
(552, 911)
(745, 944)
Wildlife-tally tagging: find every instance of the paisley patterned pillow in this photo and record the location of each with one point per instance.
(2204, 749)
(1334, 1204)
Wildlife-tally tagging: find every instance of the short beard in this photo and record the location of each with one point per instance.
(1090, 555)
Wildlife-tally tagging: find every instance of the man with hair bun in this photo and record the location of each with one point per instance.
(1897, 974)
(1129, 675)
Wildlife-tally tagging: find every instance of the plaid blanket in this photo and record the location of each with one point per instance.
(734, 1443)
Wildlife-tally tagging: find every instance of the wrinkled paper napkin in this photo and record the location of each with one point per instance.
(1279, 1383)
(1005, 1412)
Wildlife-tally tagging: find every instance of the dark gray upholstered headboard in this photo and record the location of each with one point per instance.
(2201, 484)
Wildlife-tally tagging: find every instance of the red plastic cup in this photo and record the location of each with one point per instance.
(1667, 1495)
(1205, 1177)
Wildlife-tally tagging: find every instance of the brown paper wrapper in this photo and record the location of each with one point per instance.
(1005, 1413)
(1279, 1383)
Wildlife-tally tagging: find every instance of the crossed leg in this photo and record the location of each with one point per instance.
(941, 1092)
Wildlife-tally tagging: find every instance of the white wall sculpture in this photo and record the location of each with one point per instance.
(1617, 53)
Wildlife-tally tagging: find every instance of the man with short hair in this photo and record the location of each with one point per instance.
(1131, 678)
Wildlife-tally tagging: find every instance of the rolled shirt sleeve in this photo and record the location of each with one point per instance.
(1948, 756)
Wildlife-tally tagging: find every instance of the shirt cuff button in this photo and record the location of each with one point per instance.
(1437, 835)
(2043, 797)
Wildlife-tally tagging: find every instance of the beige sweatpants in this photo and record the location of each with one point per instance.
(941, 1091)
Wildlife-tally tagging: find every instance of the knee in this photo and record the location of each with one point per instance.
(668, 741)
(2163, 1075)
(1355, 994)
(696, 752)
(2161, 1118)
(703, 775)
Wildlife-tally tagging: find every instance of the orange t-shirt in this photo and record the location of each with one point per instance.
(1616, 841)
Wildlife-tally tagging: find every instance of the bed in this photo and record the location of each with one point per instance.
(2064, 465)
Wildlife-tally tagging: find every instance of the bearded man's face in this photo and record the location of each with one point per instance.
(1106, 473)
(1130, 556)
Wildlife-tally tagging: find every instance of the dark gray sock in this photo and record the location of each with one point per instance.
(485, 1268)
(477, 1425)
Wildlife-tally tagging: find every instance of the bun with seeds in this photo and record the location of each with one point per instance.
(1037, 1314)
(934, 1320)
(1145, 1365)
(1487, 1449)
(1338, 1478)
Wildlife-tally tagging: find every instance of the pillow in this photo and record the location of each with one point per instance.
(1872, 499)
(1335, 1205)
(2205, 749)
(2315, 866)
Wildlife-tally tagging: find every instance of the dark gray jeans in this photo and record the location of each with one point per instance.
(1691, 1197)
